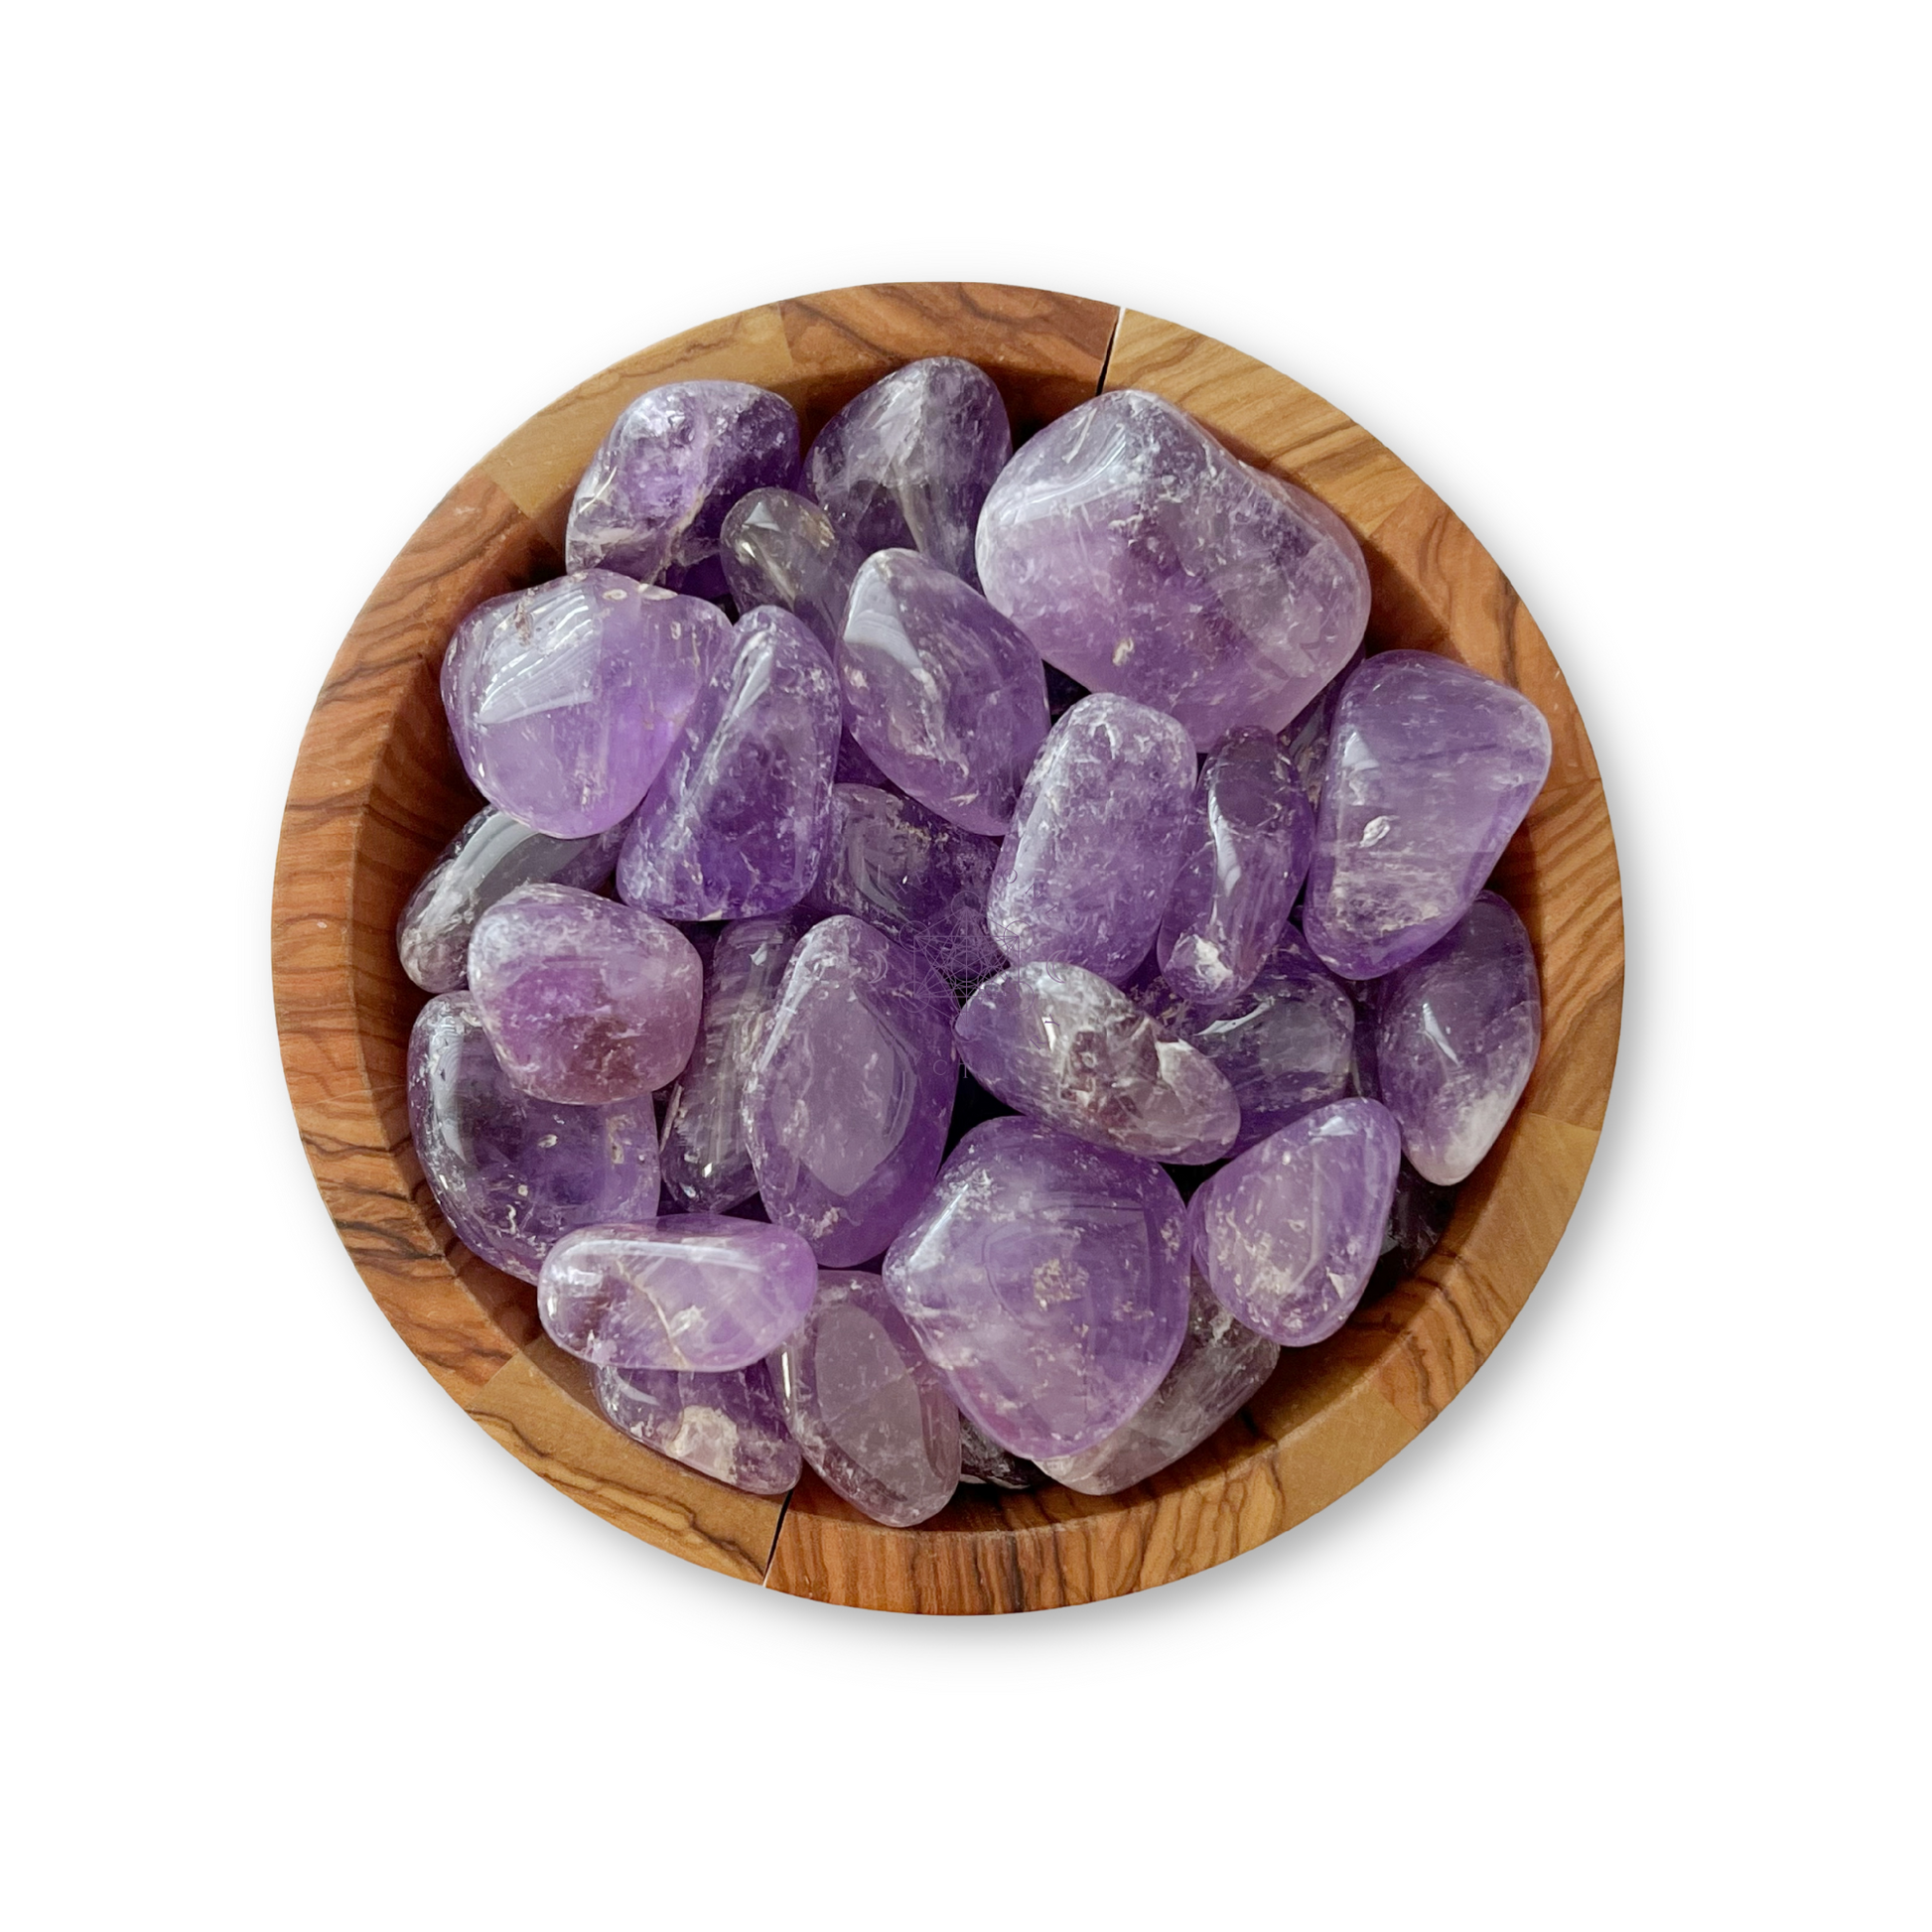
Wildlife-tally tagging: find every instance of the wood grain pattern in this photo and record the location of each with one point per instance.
(378, 793)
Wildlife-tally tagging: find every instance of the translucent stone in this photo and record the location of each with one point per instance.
(1253, 836)
(867, 1410)
(1141, 557)
(1098, 836)
(780, 548)
(1305, 738)
(1431, 768)
(738, 821)
(565, 700)
(1220, 1365)
(1288, 1232)
(906, 463)
(1044, 1280)
(727, 1426)
(985, 1464)
(707, 1162)
(491, 857)
(1456, 1034)
(653, 500)
(514, 1175)
(1062, 1044)
(848, 1105)
(690, 1292)
(918, 879)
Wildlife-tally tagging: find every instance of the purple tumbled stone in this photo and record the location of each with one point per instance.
(1419, 1217)
(565, 700)
(1431, 768)
(491, 857)
(780, 548)
(907, 463)
(1220, 1365)
(869, 1410)
(585, 1001)
(707, 1164)
(913, 875)
(738, 820)
(1456, 1034)
(1306, 738)
(848, 1103)
(1097, 839)
(1288, 1232)
(983, 1461)
(947, 696)
(1141, 557)
(700, 1292)
(1067, 1048)
(1046, 1280)
(728, 1425)
(1252, 834)
(514, 1174)
(654, 497)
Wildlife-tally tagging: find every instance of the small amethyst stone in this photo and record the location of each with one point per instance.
(1044, 1280)
(738, 821)
(867, 1410)
(1431, 768)
(1220, 1365)
(1097, 839)
(1254, 833)
(848, 1105)
(1062, 1044)
(654, 498)
(1141, 557)
(585, 1001)
(984, 1462)
(918, 879)
(948, 697)
(707, 1164)
(514, 1175)
(690, 1292)
(906, 463)
(1456, 1034)
(564, 700)
(780, 548)
(491, 857)
(1287, 1233)
(1419, 1217)
(727, 1426)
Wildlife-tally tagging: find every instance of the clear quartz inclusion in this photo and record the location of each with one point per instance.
(729, 1426)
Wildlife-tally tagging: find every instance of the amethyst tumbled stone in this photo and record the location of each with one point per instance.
(779, 547)
(729, 1426)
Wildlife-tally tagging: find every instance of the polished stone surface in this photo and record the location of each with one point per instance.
(1306, 738)
(780, 548)
(728, 1425)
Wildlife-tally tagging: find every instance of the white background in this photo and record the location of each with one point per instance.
(1634, 1635)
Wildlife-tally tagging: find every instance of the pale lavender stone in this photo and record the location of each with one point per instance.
(654, 498)
(1067, 1048)
(1097, 839)
(1287, 1233)
(907, 463)
(689, 1292)
(1220, 1365)
(780, 548)
(848, 1104)
(947, 696)
(867, 1410)
(707, 1162)
(1141, 557)
(1431, 768)
(1305, 738)
(915, 876)
(1253, 836)
(738, 820)
(585, 1001)
(1044, 1280)
(514, 1175)
(565, 700)
(984, 1462)
(1456, 1034)
(491, 857)
(727, 1426)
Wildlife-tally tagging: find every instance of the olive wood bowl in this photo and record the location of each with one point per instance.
(377, 791)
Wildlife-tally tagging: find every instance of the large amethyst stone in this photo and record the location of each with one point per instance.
(728, 1425)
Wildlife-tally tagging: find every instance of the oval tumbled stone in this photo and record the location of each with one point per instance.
(728, 1425)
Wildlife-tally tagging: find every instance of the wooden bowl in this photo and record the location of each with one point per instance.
(377, 791)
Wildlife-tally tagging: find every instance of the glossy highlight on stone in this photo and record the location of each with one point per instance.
(780, 548)
(1141, 557)
(728, 1425)
(1046, 1280)
(514, 1175)
(869, 1410)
